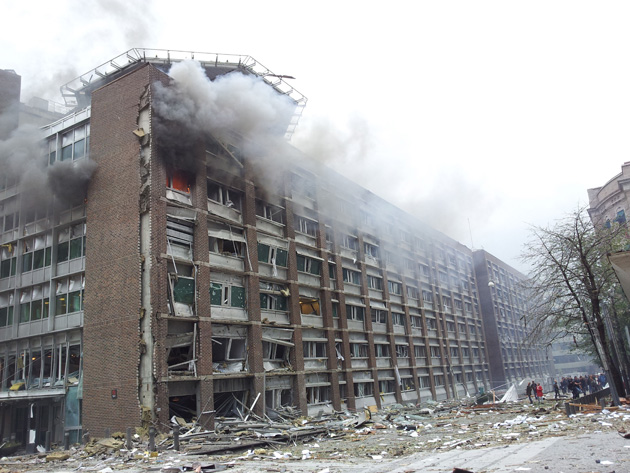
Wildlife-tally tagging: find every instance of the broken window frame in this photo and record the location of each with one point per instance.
(179, 234)
(355, 312)
(394, 287)
(223, 195)
(381, 350)
(273, 297)
(35, 303)
(267, 211)
(374, 282)
(350, 242)
(379, 316)
(363, 388)
(178, 181)
(402, 351)
(228, 241)
(370, 250)
(436, 354)
(231, 295)
(416, 321)
(312, 303)
(231, 346)
(308, 264)
(318, 395)
(8, 260)
(359, 349)
(69, 294)
(398, 318)
(305, 225)
(192, 306)
(274, 255)
(419, 351)
(175, 342)
(386, 386)
(314, 349)
(407, 384)
(351, 277)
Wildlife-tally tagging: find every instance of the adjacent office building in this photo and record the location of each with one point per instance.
(513, 356)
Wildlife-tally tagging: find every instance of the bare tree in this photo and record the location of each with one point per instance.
(570, 280)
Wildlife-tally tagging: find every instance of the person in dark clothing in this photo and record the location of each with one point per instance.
(528, 391)
(556, 389)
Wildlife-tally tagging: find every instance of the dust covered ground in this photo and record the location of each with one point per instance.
(507, 437)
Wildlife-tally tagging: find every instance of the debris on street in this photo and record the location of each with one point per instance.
(369, 435)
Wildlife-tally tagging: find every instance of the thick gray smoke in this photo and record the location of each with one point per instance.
(233, 107)
(23, 159)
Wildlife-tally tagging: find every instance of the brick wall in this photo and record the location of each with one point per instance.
(112, 287)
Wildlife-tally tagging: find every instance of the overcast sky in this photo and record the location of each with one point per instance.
(481, 118)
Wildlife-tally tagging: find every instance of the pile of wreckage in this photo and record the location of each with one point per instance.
(393, 431)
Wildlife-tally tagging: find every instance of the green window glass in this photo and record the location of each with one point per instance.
(301, 263)
(281, 257)
(316, 266)
(282, 303)
(60, 304)
(74, 301)
(3, 316)
(25, 312)
(75, 248)
(48, 256)
(62, 251)
(215, 293)
(331, 271)
(184, 290)
(238, 296)
(263, 253)
(264, 298)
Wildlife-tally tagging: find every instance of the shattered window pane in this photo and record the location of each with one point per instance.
(215, 293)
(184, 290)
(238, 296)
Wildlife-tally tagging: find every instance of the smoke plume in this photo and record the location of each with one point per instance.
(23, 159)
(233, 107)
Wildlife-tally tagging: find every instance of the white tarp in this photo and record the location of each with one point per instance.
(510, 395)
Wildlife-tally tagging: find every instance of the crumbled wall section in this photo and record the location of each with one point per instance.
(113, 293)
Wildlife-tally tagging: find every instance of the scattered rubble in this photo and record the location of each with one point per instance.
(393, 432)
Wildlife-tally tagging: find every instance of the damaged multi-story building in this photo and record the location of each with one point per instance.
(180, 258)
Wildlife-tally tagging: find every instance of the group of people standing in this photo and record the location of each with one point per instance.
(534, 389)
(583, 384)
(575, 386)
